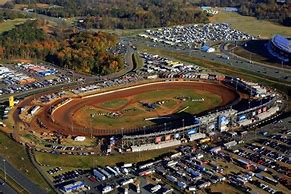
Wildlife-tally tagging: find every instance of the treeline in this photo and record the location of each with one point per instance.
(123, 14)
(86, 52)
(262, 9)
(81, 51)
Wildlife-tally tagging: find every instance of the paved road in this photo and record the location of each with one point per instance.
(234, 61)
(6, 189)
(21, 179)
(260, 68)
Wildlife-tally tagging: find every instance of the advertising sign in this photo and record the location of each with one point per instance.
(158, 139)
(168, 137)
(177, 135)
(192, 131)
(11, 101)
(242, 117)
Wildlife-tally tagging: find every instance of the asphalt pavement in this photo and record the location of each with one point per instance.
(6, 189)
(18, 177)
(233, 61)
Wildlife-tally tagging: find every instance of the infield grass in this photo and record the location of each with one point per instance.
(136, 112)
(114, 103)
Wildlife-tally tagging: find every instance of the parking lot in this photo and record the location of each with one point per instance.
(193, 36)
(24, 77)
(260, 163)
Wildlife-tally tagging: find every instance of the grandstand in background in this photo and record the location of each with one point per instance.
(280, 48)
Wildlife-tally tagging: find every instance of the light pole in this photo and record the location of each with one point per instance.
(122, 138)
(4, 169)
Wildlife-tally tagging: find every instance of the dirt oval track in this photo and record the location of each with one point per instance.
(63, 116)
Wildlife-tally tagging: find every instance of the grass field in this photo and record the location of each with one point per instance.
(264, 28)
(121, 32)
(93, 161)
(114, 103)
(137, 60)
(16, 155)
(9, 24)
(256, 51)
(134, 113)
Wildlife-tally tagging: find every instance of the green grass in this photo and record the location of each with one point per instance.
(252, 25)
(17, 156)
(114, 103)
(9, 24)
(169, 103)
(137, 113)
(119, 122)
(122, 32)
(93, 161)
(127, 120)
(137, 61)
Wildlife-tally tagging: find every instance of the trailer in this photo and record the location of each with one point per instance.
(156, 188)
(172, 163)
(171, 178)
(270, 180)
(112, 170)
(182, 185)
(105, 173)
(126, 182)
(99, 175)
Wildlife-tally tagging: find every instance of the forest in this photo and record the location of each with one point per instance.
(84, 52)
(123, 14)
(261, 9)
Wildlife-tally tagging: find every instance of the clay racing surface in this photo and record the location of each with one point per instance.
(62, 120)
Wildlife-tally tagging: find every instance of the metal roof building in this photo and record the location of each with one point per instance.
(282, 43)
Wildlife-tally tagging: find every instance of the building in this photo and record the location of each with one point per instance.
(207, 49)
(73, 187)
(280, 48)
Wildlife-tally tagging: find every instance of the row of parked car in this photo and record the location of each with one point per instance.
(191, 35)
(66, 176)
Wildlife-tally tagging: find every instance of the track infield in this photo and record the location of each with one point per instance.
(124, 110)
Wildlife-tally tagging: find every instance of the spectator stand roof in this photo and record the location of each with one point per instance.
(282, 43)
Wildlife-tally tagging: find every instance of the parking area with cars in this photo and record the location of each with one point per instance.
(25, 76)
(260, 164)
(250, 166)
(192, 36)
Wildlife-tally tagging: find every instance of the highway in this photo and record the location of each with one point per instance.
(18, 177)
(6, 189)
(268, 70)
(233, 61)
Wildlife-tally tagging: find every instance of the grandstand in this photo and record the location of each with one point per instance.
(280, 48)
